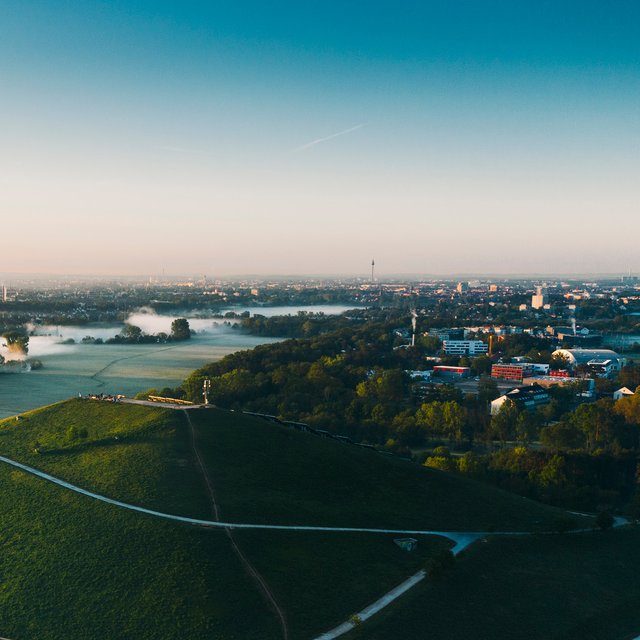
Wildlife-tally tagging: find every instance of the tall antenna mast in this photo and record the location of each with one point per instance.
(373, 266)
(414, 320)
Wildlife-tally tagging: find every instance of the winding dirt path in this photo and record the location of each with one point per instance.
(251, 570)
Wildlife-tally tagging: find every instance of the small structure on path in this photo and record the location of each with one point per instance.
(406, 544)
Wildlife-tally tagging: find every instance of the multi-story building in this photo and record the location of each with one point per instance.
(538, 299)
(464, 347)
(457, 333)
(515, 372)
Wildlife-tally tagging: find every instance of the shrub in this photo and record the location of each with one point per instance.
(604, 520)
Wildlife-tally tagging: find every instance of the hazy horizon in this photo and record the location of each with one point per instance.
(8, 278)
(306, 138)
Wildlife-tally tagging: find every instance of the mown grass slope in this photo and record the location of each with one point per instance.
(265, 472)
(323, 578)
(92, 557)
(112, 573)
(558, 587)
(72, 567)
(137, 454)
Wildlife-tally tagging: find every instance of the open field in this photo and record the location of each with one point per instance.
(111, 368)
(69, 369)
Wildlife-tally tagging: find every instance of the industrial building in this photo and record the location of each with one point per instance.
(588, 385)
(603, 362)
(529, 398)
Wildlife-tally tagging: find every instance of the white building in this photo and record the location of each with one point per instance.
(538, 299)
(606, 360)
(464, 347)
(622, 393)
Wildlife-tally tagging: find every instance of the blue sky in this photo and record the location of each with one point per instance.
(306, 137)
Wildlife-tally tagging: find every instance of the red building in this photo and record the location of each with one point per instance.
(458, 372)
(515, 372)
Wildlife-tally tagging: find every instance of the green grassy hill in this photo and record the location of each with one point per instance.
(561, 587)
(286, 476)
(73, 567)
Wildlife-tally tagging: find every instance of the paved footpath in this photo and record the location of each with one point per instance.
(390, 596)
(461, 539)
(458, 537)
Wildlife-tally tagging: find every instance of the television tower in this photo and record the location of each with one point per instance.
(414, 320)
(373, 266)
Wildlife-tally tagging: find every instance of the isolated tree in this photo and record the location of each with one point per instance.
(481, 365)
(180, 329)
(131, 332)
(559, 361)
(17, 342)
(503, 424)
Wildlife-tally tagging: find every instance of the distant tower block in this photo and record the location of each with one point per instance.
(373, 266)
(538, 300)
(414, 321)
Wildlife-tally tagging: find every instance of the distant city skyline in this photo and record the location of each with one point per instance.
(304, 138)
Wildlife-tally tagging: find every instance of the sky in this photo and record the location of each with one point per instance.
(307, 137)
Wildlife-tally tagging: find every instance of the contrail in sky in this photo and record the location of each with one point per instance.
(181, 149)
(333, 135)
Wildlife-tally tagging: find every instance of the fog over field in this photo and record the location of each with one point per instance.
(72, 368)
